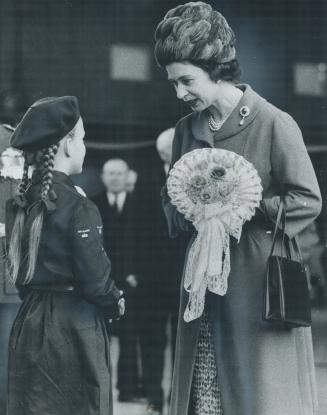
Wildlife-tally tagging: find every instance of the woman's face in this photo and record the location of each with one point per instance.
(192, 84)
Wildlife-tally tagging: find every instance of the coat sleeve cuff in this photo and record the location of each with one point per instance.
(269, 208)
(115, 292)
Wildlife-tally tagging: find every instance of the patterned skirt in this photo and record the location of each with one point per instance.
(206, 396)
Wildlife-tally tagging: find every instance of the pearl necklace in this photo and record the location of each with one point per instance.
(216, 125)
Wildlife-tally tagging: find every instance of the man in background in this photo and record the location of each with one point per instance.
(121, 233)
(164, 146)
(11, 172)
(131, 180)
(161, 276)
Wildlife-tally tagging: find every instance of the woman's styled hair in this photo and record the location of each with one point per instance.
(195, 33)
(43, 162)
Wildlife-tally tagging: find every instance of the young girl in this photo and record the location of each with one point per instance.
(58, 349)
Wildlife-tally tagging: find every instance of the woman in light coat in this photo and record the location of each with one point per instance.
(230, 361)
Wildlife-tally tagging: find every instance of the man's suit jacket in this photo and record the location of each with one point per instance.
(162, 263)
(121, 234)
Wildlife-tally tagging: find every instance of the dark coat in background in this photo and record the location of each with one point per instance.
(161, 263)
(123, 242)
(9, 299)
(59, 360)
(161, 260)
(8, 293)
(261, 370)
(121, 236)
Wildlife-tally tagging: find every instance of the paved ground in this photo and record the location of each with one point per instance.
(139, 408)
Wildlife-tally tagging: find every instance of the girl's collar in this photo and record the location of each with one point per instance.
(58, 177)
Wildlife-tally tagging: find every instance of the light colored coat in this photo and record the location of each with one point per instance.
(261, 370)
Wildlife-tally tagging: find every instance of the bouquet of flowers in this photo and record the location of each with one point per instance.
(218, 191)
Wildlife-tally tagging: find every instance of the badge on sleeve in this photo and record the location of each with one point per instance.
(83, 233)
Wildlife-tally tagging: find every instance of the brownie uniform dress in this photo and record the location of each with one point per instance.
(59, 350)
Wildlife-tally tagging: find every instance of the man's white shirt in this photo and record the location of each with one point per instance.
(117, 199)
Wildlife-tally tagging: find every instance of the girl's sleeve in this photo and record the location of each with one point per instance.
(175, 220)
(292, 170)
(90, 261)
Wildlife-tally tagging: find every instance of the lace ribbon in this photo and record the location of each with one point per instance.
(208, 265)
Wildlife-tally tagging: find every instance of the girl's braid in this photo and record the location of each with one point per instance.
(47, 170)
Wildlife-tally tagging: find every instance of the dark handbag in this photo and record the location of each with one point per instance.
(286, 297)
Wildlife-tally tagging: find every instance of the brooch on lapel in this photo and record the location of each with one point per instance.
(244, 112)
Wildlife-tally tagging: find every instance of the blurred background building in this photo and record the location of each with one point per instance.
(102, 52)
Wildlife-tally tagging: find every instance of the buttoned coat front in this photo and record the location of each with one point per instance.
(262, 370)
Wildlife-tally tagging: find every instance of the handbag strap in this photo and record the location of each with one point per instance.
(281, 219)
(297, 250)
